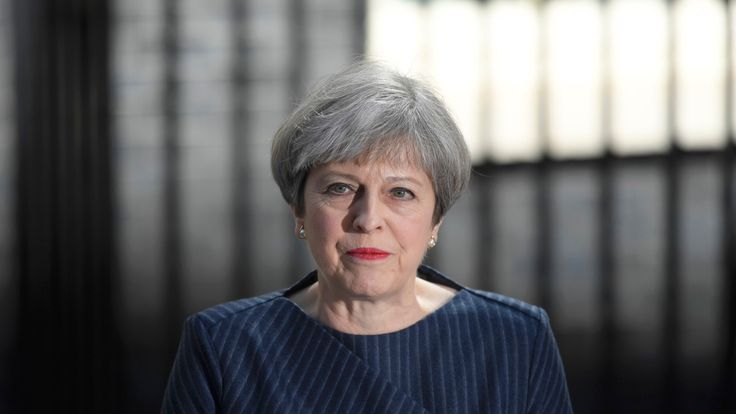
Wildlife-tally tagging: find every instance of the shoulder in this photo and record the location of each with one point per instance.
(501, 321)
(501, 314)
(489, 305)
(507, 306)
(253, 316)
(238, 312)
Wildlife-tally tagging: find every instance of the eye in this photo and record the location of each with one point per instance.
(339, 189)
(402, 193)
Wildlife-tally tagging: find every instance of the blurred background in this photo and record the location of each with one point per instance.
(135, 185)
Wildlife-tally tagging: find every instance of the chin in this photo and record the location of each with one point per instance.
(368, 292)
(370, 283)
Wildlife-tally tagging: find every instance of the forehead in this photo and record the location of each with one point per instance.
(392, 151)
(385, 171)
(389, 153)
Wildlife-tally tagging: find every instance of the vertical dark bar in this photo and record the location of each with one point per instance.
(359, 27)
(65, 262)
(99, 178)
(544, 167)
(670, 346)
(606, 226)
(728, 253)
(483, 188)
(728, 393)
(242, 244)
(544, 236)
(174, 309)
(607, 270)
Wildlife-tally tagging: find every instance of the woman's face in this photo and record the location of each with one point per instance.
(367, 226)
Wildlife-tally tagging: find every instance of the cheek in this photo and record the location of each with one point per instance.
(324, 233)
(414, 234)
(324, 226)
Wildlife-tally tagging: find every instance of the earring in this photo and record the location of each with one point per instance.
(302, 233)
(432, 242)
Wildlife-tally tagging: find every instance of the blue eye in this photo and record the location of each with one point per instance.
(402, 193)
(338, 189)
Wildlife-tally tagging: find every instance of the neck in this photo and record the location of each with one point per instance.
(368, 317)
(372, 316)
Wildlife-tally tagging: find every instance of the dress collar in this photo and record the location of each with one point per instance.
(425, 272)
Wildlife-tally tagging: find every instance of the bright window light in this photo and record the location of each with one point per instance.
(700, 61)
(394, 35)
(573, 49)
(513, 80)
(638, 70)
(732, 18)
(487, 61)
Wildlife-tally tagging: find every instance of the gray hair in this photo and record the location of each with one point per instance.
(369, 112)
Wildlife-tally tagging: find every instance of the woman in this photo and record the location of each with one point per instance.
(369, 163)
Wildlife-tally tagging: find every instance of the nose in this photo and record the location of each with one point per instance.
(367, 213)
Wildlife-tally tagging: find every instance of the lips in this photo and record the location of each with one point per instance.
(368, 253)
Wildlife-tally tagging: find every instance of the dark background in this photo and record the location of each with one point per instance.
(135, 189)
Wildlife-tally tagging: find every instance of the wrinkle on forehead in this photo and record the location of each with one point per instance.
(395, 153)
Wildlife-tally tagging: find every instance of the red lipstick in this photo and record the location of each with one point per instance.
(368, 253)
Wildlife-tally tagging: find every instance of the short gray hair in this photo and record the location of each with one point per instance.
(367, 112)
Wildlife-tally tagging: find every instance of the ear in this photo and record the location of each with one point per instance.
(436, 227)
(298, 220)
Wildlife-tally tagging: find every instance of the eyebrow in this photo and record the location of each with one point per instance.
(393, 179)
(390, 179)
(333, 175)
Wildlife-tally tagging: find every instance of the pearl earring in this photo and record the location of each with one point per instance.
(432, 242)
(302, 233)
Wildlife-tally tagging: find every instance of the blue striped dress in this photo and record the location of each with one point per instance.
(479, 353)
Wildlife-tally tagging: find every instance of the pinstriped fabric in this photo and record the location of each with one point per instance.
(481, 352)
